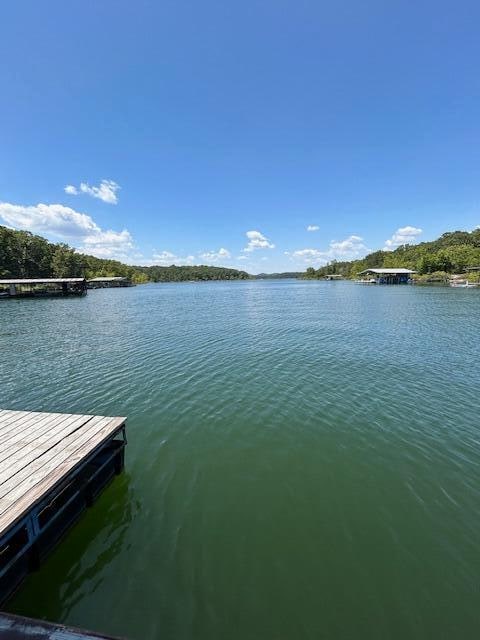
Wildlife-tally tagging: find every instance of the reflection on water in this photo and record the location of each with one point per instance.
(79, 565)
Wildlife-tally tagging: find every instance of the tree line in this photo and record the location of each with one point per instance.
(453, 252)
(188, 273)
(25, 255)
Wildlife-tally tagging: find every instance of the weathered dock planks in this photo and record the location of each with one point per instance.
(52, 466)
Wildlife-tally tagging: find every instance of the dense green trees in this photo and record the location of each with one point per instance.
(65, 260)
(451, 253)
(279, 275)
(186, 273)
(24, 255)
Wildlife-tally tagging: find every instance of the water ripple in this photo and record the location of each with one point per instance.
(302, 462)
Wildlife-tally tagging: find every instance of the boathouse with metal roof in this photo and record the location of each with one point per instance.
(40, 287)
(390, 276)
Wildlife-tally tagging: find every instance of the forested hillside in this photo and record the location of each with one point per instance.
(451, 253)
(24, 255)
(187, 273)
(279, 276)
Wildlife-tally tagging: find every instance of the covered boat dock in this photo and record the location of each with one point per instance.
(114, 281)
(389, 276)
(334, 276)
(41, 287)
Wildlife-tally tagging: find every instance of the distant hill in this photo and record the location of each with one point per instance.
(187, 273)
(451, 253)
(284, 274)
(25, 255)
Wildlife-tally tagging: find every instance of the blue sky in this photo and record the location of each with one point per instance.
(193, 124)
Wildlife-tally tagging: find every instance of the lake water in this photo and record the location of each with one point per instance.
(303, 459)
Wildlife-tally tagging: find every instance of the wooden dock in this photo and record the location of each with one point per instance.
(52, 466)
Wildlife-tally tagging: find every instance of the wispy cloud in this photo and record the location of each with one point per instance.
(351, 247)
(64, 223)
(106, 190)
(257, 240)
(347, 249)
(167, 259)
(313, 227)
(216, 256)
(404, 235)
(109, 244)
(307, 254)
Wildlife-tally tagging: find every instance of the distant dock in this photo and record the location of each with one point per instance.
(112, 282)
(52, 467)
(334, 276)
(42, 287)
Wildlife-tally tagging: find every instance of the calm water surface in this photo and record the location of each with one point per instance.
(303, 459)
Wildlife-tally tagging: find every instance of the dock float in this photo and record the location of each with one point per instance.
(52, 467)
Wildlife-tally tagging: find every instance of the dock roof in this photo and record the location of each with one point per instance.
(398, 271)
(109, 279)
(40, 280)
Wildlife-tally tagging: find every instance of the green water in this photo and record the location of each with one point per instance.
(303, 459)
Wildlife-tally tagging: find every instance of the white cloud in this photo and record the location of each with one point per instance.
(351, 247)
(404, 235)
(69, 225)
(109, 244)
(48, 218)
(167, 258)
(216, 256)
(313, 227)
(309, 254)
(257, 240)
(348, 249)
(106, 191)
